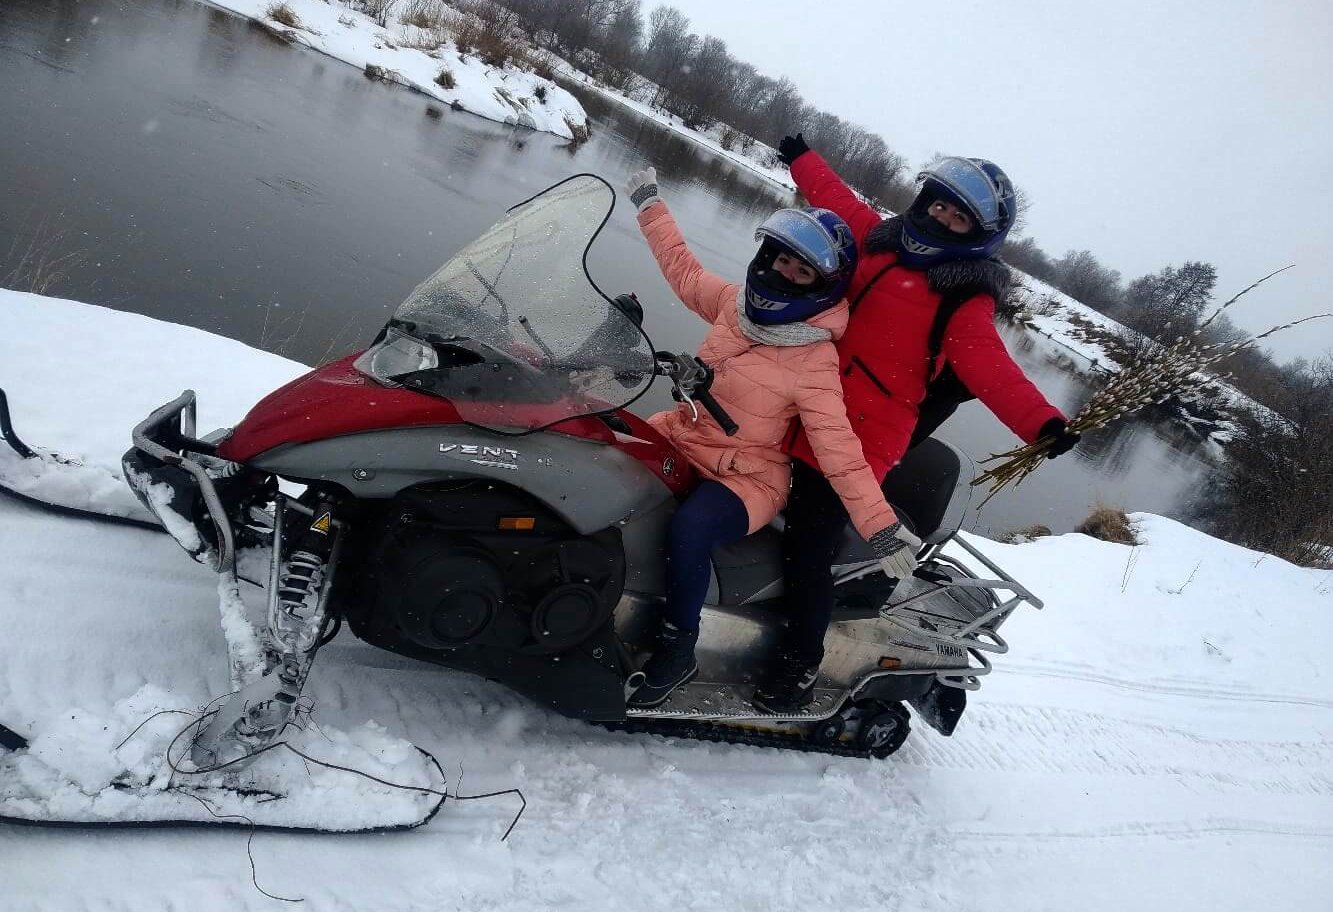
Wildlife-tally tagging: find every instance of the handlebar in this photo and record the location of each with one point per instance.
(705, 398)
(690, 380)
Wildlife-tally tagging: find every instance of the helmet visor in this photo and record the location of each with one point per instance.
(972, 185)
(802, 233)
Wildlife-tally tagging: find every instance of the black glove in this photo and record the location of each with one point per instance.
(792, 148)
(1065, 439)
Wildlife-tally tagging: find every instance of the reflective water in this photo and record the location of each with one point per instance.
(212, 176)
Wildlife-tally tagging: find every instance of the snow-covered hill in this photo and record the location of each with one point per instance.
(505, 94)
(1159, 738)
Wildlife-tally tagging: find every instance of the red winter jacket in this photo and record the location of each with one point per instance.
(885, 352)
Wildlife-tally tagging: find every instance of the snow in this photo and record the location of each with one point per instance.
(71, 765)
(507, 95)
(1159, 736)
(761, 158)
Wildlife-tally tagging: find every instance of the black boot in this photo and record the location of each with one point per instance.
(672, 664)
(790, 683)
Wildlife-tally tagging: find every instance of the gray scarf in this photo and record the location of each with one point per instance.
(787, 335)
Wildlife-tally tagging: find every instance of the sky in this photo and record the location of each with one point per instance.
(1150, 132)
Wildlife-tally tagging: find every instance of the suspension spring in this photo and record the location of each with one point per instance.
(298, 588)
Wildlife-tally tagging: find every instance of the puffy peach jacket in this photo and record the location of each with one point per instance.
(762, 387)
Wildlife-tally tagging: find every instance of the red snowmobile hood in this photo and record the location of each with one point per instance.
(337, 399)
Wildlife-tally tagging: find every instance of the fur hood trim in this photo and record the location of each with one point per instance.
(989, 276)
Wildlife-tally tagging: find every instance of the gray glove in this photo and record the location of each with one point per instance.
(896, 549)
(642, 188)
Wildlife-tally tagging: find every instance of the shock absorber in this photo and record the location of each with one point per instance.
(299, 590)
(299, 594)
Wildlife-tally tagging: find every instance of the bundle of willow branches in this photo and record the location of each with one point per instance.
(1157, 374)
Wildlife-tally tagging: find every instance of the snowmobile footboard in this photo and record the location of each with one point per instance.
(164, 469)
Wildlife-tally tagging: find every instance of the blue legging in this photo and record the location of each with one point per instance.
(709, 517)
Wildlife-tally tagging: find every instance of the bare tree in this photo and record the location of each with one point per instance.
(1168, 304)
(696, 96)
(1080, 275)
(669, 47)
(1026, 255)
(620, 44)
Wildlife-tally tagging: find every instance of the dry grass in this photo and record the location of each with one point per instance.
(1109, 524)
(445, 79)
(1024, 535)
(535, 62)
(580, 132)
(487, 37)
(281, 12)
(424, 14)
(495, 48)
(43, 262)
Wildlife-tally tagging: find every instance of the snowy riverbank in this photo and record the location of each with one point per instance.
(508, 95)
(1160, 735)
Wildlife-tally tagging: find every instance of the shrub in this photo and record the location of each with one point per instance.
(378, 10)
(445, 79)
(424, 14)
(466, 32)
(540, 93)
(536, 62)
(494, 48)
(1109, 524)
(1275, 492)
(281, 12)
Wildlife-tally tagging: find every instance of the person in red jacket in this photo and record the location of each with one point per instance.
(940, 253)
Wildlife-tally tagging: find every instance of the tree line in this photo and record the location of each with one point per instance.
(696, 78)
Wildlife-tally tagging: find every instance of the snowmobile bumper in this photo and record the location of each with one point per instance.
(166, 470)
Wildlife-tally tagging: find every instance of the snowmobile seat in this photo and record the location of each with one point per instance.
(924, 486)
(928, 489)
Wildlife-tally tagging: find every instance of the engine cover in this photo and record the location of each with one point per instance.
(446, 596)
(435, 574)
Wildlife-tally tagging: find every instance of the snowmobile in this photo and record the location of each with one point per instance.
(472, 490)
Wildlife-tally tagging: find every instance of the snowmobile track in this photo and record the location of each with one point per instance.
(1097, 744)
(720, 733)
(1176, 690)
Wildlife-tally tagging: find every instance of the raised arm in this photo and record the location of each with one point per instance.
(698, 289)
(820, 184)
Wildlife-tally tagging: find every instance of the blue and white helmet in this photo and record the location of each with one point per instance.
(975, 185)
(819, 238)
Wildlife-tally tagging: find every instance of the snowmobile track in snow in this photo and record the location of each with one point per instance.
(1098, 744)
(1075, 673)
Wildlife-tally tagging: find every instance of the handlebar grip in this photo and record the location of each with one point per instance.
(705, 398)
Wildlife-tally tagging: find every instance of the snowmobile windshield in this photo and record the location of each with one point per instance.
(512, 329)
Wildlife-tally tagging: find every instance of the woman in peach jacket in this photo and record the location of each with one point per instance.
(771, 349)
